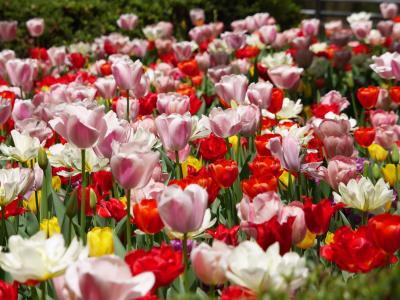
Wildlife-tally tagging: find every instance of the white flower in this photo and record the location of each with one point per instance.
(38, 258)
(249, 266)
(254, 41)
(26, 147)
(200, 127)
(364, 195)
(359, 17)
(290, 109)
(302, 134)
(143, 139)
(277, 59)
(14, 182)
(318, 47)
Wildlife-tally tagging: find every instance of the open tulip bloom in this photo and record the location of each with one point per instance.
(236, 163)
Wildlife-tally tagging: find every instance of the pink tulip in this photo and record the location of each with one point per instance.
(106, 86)
(235, 40)
(174, 130)
(388, 10)
(339, 145)
(267, 34)
(130, 76)
(333, 26)
(102, 278)
(301, 43)
(340, 169)
(232, 88)
(224, 123)
(35, 27)
(189, 204)
(310, 27)
(380, 117)
(336, 128)
(197, 16)
(249, 119)
(241, 66)
(395, 64)
(261, 19)
(361, 28)
(5, 56)
(173, 103)
(375, 38)
(138, 48)
(208, 262)
(334, 97)
(288, 152)
(280, 41)
(201, 34)
(260, 94)
(127, 21)
(8, 30)
(131, 166)
(182, 154)
(34, 128)
(23, 109)
(285, 77)
(133, 108)
(203, 61)
(22, 72)
(260, 209)
(5, 110)
(217, 73)
(57, 55)
(387, 135)
(165, 84)
(385, 27)
(80, 126)
(182, 50)
(299, 228)
(383, 65)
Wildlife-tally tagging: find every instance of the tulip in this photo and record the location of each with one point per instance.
(35, 27)
(183, 50)
(385, 232)
(57, 55)
(259, 184)
(102, 278)
(190, 204)
(5, 110)
(50, 226)
(208, 262)
(260, 94)
(364, 195)
(335, 98)
(368, 96)
(8, 290)
(174, 130)
(391, 174)
(232, 88)
(340, 169)
(288, 152)
(8, 30)
(224, 123)
(170, 103)
(51, 257)
(14, 182)
(127, 21)
(380, 118)
(385, 28)
(308, 241)
(197, 16)
(147, 218)
(100, 241)
(377, 152)
(21, 72)
(122, 110)
(276, 101)
(285, 77)
(268, 34)
(265, 165)
(310, 27)
(235, 40)
(299, 228)
(106, 86)
(249, 118)
(364, 136)
(224, 172)
(361, 29)
(385, 64)
(388, 10)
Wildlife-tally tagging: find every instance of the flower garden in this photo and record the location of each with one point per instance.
(245, 161)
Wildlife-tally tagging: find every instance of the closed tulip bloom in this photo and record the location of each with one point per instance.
(299, 228)
(224, 172)
(235, 40)
(385, 232)
(197, 16)
(147, 218)
(224, 123)
(377, 152)
(364, 195)
(129, 75)
(134, 107)
(174, 130)
(388, 10)
(8, 30)
(364, 136)
(189, 204)
(80, 126)
(361, 28)
(249, 118)
(35, 26)
(170, 103)
(380, 117)
(232, 88)
(127, 21)
(260, 94)
(183, 50)
(103, 278)
(57, 55)
(383, 65)
(310, 27)
(285, 77)
(268, 34)
(131, 168)
(106, 86)
(368, 96)
(5, 110)
(340, 169)
(208, 262)
(21, 72)
(391, 173)
(100, 241)
(288, 152)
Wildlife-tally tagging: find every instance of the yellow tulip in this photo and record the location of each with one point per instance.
(100, 241)
(56, 183)
(308, 240)
(389, 174)
(377, 152)
(284, 180)
(193, 162)
(31, 202)
(329, 238)
(234, 140)
(50, 226)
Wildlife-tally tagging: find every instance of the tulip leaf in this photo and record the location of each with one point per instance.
(120, 226)
(58, 207)
(119, 248)
(32, 225)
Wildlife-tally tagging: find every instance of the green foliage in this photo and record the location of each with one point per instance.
(69, 21)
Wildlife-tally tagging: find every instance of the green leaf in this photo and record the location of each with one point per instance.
(119, 248)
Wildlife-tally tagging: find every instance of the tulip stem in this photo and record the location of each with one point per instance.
(228, 148)
(179, 172)
(127, 105)
(83, 198)
(128, 220)
(185, 260)
(3, 225)
(43, 287)
(353, 102)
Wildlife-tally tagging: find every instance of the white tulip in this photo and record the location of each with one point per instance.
(14, 182)
(26, 147)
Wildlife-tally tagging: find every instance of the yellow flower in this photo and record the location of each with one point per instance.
(123, 200)
(389, 174)
(193, 162)
(56, 183)
(100, 241)
(50, 226)
(308, 240)
(251, 71)
(329, 238)
(284, 180)
(31, 202)
(377, 152)
(233, 140)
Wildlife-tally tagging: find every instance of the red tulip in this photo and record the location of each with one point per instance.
(163, 261)
(276, 101)
(262, 142)
(235, 292)
(368, 96)
(318, 216)
(112, 208)
(212, 147)
(384, 231)
(265, 165)
(8, 291)
(256, 185)
(224, 172)
(13, 209)
(222, 233)
(105, 69)
(394, 93)
(146, 216)
(364, 136)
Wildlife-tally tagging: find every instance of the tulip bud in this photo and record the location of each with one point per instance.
(71, 204)
(376, 171)
(395, 153)
(366, 169)
(100, 241)
(93, 199)
(42, 159)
